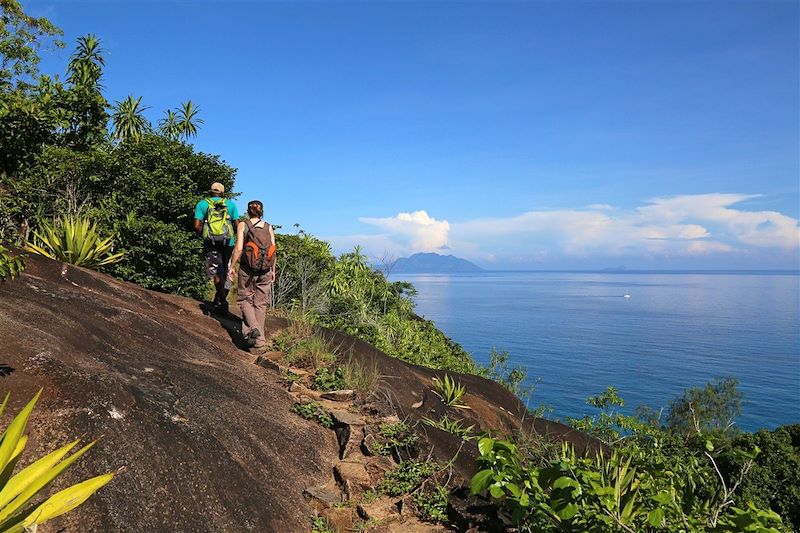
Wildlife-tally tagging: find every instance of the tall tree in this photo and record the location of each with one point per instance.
(83, 102)
(87, 62)
(169, 126)
(129, 121)
(188, 120)
(21, 36)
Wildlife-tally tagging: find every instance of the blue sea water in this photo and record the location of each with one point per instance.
(578, 334)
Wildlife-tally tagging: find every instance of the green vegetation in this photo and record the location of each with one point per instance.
(314, 412)
(320, 525)
(450, 391)
(326, 380)
(345, 293)
(17, 513)
(11, 266)
(432, 506)
(76, 241)
(405, 477)
(60, 159)
(658, 477)
(395, 439)
(311, 352)
(455, 427)
(362, 378)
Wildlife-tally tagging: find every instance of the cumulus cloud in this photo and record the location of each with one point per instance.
(416, 232)
(677, 226)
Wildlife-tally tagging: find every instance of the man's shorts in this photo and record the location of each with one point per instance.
(216, 257)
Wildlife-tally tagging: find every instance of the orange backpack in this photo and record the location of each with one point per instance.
(258, 254)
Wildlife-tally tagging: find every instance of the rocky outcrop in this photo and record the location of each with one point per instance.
(205, 436)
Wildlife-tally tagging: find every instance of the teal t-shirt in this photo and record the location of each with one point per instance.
(201, 209)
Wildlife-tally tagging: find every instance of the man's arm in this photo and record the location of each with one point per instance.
(198, 226)
(237, 250)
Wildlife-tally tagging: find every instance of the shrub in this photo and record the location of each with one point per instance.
(17, 490)
(627, 492)
(11, 266)
(395, 439)
(432, 506)
(314, 412)
(405, 477)
(327, 380)
(450, 391)
(320, 525)
(76, 241)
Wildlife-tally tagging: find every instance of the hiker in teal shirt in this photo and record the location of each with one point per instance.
(215, 219)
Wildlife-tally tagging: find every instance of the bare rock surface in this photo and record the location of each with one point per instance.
(204, 429)
(205, 435)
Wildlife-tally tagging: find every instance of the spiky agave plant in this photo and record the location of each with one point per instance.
(18, 490)
(75, 240)
(450, 391)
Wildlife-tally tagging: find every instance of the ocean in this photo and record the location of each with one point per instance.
(577, 334)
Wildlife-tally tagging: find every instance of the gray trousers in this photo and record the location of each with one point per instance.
(253, 298)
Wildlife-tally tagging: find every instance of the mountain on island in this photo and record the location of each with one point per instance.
(431, 263)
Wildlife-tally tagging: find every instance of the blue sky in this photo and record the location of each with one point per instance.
(518, 135)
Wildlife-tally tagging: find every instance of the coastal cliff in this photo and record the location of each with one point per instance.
(204, 430)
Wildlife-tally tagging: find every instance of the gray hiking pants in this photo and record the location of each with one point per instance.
(253, 298)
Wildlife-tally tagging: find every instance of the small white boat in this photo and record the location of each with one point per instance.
(626, 295)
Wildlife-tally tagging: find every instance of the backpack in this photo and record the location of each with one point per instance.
(258, 252)
(218, 227)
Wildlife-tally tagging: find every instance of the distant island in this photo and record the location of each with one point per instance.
(432, 263)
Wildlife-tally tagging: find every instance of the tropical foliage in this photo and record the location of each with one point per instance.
(75, 241)
(67, 152)
(17, 491)
(450, 391)
(10, 265)
(656, 477)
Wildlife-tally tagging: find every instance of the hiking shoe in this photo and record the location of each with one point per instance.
(252, 336)
(260, 350)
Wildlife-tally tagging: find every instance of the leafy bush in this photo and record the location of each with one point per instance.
(774, 479)
(327, 380)
(405, 477)
(76, 241)
(432, 506)
(450, 391)
(17, 514)
(11, 266)
(608, 494)
(395, 439)
(314, 412)
(320, 525)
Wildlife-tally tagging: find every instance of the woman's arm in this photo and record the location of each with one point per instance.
(275, 262)
(237, 250)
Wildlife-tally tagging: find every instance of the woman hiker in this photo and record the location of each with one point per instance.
(255, 246)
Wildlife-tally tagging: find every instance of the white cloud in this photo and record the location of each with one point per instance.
(665, 226)
(415, 232)
(685, 225)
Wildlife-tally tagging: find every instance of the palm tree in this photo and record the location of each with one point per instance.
(87, 62)
(189, 122)
(129, 122)
(169, 126)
